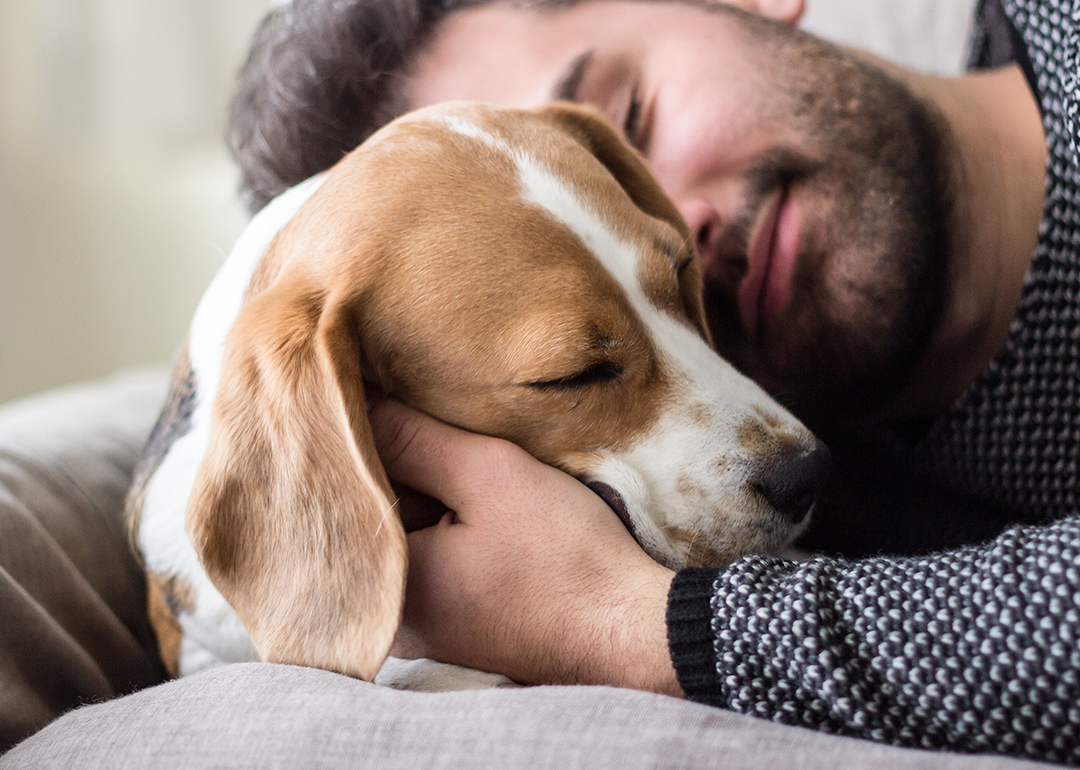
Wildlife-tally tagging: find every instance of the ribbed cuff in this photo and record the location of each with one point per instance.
(691, 639)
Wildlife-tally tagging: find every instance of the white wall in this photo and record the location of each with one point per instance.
(930, 35)
(116, 197)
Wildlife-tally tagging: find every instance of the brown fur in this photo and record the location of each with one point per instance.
(766, 441)
(291, 512)
(165, 596)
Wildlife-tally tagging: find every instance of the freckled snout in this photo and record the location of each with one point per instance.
(792, 482)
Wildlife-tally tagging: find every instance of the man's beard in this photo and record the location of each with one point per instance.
(869, 279)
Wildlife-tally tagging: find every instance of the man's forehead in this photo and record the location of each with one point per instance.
(499, 53)
(526, 55)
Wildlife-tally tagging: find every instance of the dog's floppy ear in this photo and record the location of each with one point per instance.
(291, 512)
(600, 138)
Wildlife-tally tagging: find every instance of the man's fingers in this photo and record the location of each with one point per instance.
(434, 458)
(414, 449)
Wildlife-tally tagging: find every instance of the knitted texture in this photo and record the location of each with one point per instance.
(1012, 438)
(976, 649)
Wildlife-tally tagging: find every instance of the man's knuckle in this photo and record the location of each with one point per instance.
(399, 437)
(496, 455)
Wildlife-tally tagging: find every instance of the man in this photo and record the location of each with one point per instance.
(916, 301)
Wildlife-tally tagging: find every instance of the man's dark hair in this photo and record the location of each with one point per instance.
(321, 76)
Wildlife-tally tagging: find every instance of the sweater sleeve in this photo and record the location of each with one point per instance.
(974, 650)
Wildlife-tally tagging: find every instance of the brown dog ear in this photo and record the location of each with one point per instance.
(600, 138)
(291, 512)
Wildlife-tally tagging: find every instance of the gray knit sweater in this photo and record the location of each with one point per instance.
(975, 648)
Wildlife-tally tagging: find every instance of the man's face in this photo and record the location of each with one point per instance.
(814, 182)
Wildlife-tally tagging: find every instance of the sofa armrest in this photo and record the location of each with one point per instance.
(72, 596)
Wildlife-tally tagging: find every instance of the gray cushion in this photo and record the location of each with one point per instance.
(269, 716)
(74, 632)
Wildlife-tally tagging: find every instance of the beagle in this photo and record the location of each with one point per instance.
(515, 273)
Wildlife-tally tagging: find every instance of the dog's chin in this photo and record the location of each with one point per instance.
(721, 551)
(754, 528)
(770, 536)
(745, 524)
(661, 551)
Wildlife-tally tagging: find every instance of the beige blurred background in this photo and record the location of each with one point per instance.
(117, 199)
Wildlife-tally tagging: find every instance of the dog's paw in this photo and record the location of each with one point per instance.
(425, 675)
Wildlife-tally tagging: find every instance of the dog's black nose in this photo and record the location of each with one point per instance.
(792, 483)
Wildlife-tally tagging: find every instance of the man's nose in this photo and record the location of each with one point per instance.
(703, 221)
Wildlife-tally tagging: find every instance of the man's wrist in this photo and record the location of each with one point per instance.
(640, 658)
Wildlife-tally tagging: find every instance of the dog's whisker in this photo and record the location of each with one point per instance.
(386, 513)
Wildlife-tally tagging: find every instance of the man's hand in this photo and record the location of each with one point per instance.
(528, 573)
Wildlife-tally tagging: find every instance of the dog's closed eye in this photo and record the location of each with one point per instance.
(596, 374)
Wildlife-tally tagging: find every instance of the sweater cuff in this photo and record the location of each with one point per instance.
(691, 640)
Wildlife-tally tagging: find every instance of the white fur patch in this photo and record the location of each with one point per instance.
(460, 125)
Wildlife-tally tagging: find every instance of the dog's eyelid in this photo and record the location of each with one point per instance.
(595, 374)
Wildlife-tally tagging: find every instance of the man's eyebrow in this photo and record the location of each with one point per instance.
(566, 89)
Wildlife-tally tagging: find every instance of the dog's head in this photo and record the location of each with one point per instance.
(514, 273)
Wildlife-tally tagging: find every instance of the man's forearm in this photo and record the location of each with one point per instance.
(971, 650)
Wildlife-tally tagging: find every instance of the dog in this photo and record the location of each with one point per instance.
(515, 273)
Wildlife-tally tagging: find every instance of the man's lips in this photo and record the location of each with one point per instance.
(773, 247)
